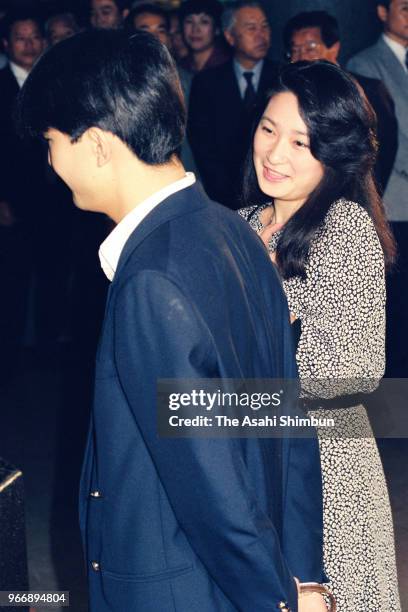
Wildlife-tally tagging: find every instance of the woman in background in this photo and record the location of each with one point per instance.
(200, 23)
(309, 192)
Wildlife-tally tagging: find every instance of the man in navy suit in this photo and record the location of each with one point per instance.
(224, 101)
(186, 524)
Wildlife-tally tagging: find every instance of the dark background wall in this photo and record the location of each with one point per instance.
(359, 26)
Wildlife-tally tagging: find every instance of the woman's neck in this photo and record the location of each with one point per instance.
(284, 210)
(200, 58)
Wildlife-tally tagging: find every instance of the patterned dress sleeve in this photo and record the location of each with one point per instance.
(246, 214)
(341, 305)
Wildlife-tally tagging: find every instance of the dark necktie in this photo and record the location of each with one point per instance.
(249, 94)
(406, 58)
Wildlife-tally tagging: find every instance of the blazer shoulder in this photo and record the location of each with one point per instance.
(9, 92)
(375, 90)
(8, 80)
(369, 56)
(365, 81)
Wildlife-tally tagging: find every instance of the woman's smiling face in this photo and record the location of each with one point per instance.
(285, 167)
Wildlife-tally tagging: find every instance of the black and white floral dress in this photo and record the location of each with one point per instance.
(341, 307)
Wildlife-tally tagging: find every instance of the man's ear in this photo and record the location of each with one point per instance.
(101, 145)
(382, 13)
(229, 37)
(334, 51)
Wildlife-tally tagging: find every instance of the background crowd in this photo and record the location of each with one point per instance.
(53, 288)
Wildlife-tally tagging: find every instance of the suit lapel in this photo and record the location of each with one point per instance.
(393, 65)
(268, 74)
(181, 203)
(230, 85)
(11, 81)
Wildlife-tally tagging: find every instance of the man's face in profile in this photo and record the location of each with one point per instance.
(25, 43)
(307, 45)
(105, 14)
(74, 164)
(395, 20)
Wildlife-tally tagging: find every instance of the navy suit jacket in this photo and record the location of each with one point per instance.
(191, 525)
(22, 162)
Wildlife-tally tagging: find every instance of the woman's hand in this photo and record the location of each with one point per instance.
(312, 602)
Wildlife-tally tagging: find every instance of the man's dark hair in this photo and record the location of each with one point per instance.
(142, 9)
(16, 15)
(213, 8)
(385, 3)
(342, 131)
(126, 85)
(328, 26)
(121, 4)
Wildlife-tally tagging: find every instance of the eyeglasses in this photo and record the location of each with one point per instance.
(309, 50)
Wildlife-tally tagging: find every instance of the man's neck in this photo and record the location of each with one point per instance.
(245, 62)
(19, 72)
(145, 182)
(401, 41)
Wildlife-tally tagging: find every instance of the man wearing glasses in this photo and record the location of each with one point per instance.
(315, 35)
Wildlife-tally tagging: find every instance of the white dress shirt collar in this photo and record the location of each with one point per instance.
(20, 73)
(242, 82)
(399, 50)
(111, 249)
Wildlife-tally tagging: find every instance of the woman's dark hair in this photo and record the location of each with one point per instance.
(342, 130)
(213, 8)
(124, 84)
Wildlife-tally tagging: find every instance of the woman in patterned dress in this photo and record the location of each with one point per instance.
(313, 200)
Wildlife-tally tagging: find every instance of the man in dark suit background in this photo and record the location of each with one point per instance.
(24, 43)
(223, 102)
(21, 169)
(315, 35)
(186, 524)
(387, 60)
(108, 13)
